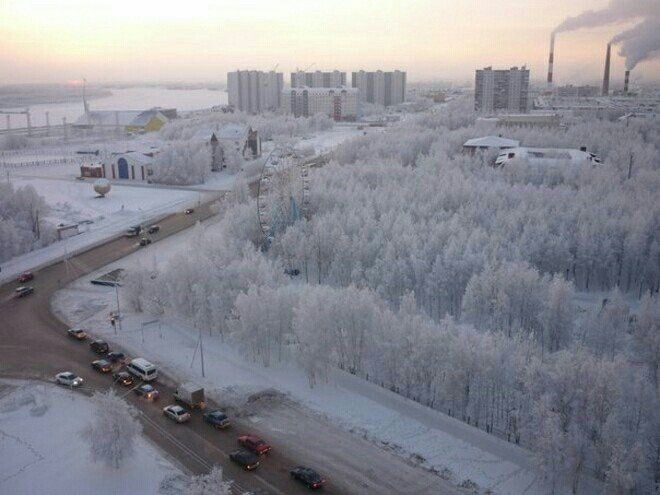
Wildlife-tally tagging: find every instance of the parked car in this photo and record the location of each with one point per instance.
(307, 476)
(176, 413)
(99, 346)
(188, 211)
(147, 392)
(25, 277)
(217, 419)
(23, 291)
(247, 460)
(254, 444)
(77, 333)
(145, 241)
(291, 272)
(69, 379)
(153, 229)
(123, 377)
(116, 357)
(102, 366)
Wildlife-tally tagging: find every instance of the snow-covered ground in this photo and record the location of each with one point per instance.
(41, 450)
(433, 439)
(75, 201)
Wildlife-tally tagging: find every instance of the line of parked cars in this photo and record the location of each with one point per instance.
(139, 374)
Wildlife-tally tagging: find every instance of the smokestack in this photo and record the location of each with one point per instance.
(606, 75)
(551, 59)
(626, 80)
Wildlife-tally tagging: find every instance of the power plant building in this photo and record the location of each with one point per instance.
(380, 88)
(254, 91)
(497, 90)
(337, 103)
(318, 79)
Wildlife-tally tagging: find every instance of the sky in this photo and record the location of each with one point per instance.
(195, 40)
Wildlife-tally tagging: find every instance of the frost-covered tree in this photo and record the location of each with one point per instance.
(182, 163)
(113, 431)
(211, 483)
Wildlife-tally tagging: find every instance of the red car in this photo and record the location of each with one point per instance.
(254, 444)
(25, 277)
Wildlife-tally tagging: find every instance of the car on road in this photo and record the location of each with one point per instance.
(153, 229)
(69, 379)
(23, 291)
(124, 378)
(25, 277)
(188, 211)
(145, 241)
(147, 392)
(77, 333)
(116, 357)
(307, 476)
(176, 413)
(247, 460)
(99, 346)
(102, 366)
(254, 444)
(291, 272)
(134, 231)
(217, 419)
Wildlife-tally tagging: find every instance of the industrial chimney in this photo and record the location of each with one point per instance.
(606, 75)
(551, 59)
(626, 81)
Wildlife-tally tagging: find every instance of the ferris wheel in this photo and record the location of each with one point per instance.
(283, 191)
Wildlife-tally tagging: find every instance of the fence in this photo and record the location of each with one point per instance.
(37, 163)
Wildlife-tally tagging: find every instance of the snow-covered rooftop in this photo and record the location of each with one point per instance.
(491, 142)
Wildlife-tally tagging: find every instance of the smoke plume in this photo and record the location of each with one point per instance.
(641, 42)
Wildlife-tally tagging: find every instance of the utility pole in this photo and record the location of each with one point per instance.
(118, 312)
(630, 166)
(201, 350)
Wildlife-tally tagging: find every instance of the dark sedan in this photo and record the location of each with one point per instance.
(247, 460)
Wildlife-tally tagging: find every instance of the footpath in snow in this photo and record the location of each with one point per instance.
(42, 451)
(458, 452)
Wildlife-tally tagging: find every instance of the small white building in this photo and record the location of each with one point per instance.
(338, 103)
(547, 156)
(489, 142)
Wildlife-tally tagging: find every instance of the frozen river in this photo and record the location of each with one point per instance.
(122, 99)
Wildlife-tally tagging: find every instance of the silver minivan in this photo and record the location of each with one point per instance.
(143, 369)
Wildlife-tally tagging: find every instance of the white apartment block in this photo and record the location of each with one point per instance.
(318, 79)
(340, 103)
(501, 90)
(254, 91)
(381, 88)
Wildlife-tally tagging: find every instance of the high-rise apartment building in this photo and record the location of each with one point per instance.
(338, 103)
(318, 79)
(254, 91)
(381, 88)
(501, 90)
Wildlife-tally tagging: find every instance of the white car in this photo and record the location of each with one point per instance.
(69, 379)
(176, 413)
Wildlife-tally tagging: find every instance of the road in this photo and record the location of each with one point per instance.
(34, 344)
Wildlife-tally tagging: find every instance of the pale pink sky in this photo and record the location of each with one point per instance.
(193, 40)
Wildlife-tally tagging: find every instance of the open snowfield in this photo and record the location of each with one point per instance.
(42, 451)
(425, 436)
